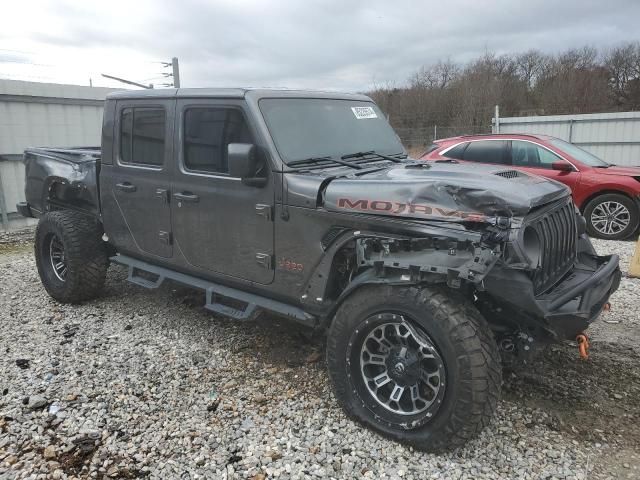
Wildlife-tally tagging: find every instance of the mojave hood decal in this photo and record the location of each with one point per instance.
(442, 192)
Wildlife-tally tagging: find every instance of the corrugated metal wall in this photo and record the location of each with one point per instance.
(12, 188)
(43, 114)
(614, 137)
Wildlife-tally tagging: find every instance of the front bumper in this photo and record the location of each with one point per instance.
(580, 298)
(569, 307)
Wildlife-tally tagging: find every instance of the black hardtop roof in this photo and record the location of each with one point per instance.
(255, 93)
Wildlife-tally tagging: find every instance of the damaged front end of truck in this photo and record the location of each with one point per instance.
(513, 243)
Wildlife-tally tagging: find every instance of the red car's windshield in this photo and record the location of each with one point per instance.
(578, 153)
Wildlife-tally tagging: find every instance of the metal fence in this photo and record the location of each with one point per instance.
(417, 139)
(614, 137)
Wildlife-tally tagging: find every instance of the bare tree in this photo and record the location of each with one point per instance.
(440, 75)
(530, 65)
(623, 68)
(461, 98)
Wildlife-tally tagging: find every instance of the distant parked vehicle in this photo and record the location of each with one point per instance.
(607, 195)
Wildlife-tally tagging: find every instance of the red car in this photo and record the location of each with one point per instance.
(608, 196)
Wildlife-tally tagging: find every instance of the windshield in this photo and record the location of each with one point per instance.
(578, 153)
(311, 127)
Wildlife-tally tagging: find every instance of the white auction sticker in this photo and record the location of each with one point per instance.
(364, 112)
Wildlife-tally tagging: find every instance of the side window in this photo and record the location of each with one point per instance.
(456, 152)
(142, 136)
(527, 154)
(489, 151)
(207, 132)
(431, 148)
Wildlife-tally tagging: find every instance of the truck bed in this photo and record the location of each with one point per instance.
(61, 178)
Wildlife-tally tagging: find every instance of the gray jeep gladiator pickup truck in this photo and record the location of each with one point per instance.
(305, 205)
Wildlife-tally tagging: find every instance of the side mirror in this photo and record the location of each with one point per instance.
(242, 160)
(562, 166)
(244, 163)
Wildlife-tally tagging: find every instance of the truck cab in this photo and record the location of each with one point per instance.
(167, 191)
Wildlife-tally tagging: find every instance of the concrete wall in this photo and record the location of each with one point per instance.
(43, 114)
(614, 137)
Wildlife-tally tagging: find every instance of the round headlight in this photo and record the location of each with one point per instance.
(531, 246)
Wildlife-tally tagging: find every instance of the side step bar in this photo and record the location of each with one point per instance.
(254, 303)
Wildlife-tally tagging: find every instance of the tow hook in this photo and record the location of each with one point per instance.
(606, 307)
(583, 345)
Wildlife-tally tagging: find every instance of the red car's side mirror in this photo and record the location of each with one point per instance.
(562, 166)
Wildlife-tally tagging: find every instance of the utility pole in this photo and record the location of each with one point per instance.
(128, 82)
(176, 72)
(497, 119)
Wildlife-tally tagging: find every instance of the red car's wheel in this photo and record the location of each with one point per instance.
(611, 216)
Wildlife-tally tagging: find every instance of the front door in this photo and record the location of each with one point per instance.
(536, 159)
(219, 224)
(135, 187)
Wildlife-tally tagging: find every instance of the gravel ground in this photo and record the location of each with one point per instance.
(145, 383)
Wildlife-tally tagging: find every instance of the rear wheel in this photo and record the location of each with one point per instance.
(419, 365)
(611, 216)
(71, 256)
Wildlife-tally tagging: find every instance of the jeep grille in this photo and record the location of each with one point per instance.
(558, 238)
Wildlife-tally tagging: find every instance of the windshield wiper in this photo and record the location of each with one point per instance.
(324, 159)
(371, 152)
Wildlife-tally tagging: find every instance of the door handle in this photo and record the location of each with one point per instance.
(162, 194)
(186, 197)
(126, 187)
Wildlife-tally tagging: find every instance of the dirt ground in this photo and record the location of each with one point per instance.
(596, 401)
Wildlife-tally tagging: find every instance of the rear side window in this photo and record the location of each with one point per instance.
(490, 151)
(142, 136)
(207, 133)
(431, 148)
(456, 152)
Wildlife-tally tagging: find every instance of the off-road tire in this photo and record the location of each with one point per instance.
(632, 207)
(84, 251)
(465, 344)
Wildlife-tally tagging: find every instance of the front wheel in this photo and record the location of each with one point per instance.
(417, 364)
(611, 216)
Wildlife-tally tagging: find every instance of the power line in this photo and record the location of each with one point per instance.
(128, 82)
(16, 51)
(21, 62)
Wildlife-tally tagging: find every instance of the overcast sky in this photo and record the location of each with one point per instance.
(333, 44)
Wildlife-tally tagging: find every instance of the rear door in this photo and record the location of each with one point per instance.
(135, 187)
(534, 158)
(220, 224)
(481, 151)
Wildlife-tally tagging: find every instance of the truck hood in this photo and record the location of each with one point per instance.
(443, 191)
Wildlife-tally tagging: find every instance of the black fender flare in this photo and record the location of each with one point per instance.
(470, 263)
